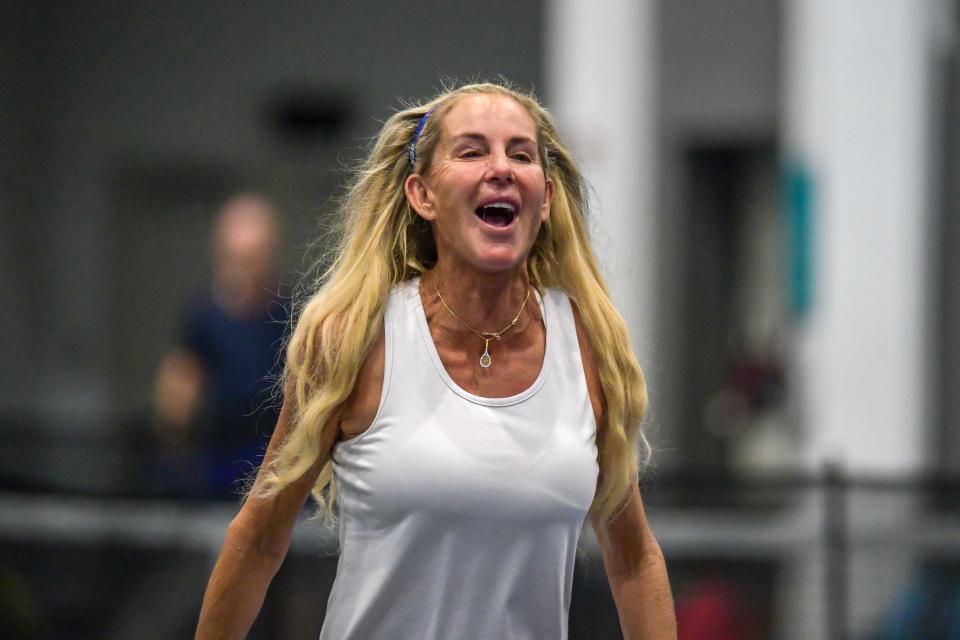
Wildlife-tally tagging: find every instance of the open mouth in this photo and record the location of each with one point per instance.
(497, 214)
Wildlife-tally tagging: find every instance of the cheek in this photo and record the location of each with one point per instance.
(537, 229)
(536, 182)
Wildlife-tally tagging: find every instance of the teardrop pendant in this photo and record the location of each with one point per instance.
(486, 360)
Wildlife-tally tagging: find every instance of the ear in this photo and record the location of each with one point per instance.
(419, 197)
(548, 191)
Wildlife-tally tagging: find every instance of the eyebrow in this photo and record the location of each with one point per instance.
(479, 137)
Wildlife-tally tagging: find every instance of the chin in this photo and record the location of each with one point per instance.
(498, 262)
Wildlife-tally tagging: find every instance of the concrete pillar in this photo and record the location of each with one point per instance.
(856, 124)
(856, 132)
(600, 64)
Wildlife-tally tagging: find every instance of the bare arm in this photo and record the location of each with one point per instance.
(258, 538)
(637, 573)
(255, 546)
(635, 566)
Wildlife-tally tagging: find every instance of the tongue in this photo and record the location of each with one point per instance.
(496, 217)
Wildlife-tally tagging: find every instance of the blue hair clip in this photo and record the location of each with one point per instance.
(412, 149)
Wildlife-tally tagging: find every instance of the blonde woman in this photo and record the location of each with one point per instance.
(461, 389)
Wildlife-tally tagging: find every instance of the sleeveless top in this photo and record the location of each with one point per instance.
(460, 514)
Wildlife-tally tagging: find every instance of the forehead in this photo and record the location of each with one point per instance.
(489, 114)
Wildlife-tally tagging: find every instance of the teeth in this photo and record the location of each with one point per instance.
(501, 205)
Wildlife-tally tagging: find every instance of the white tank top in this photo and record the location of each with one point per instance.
(459, 514)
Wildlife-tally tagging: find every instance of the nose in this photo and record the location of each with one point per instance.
(499, 168)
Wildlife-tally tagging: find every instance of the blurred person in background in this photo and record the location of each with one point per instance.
(461, 389)
(212, 395)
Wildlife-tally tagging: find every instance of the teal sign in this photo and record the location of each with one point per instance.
(799, 235)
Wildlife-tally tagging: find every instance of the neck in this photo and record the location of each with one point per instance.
(486, 301)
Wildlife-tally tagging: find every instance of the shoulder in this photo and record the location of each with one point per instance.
(589, 358)
(358, 410)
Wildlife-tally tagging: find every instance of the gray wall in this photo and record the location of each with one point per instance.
(20, 275)
(125, 126)
(944, 338)
(719, 87)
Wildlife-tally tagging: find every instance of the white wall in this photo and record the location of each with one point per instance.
(600, 73)
(857, 119)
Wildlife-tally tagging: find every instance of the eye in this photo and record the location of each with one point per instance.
(469, 153)
(523, 156)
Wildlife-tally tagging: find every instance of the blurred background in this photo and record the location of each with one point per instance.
(775, 201)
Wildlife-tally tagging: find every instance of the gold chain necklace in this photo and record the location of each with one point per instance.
(486, 359)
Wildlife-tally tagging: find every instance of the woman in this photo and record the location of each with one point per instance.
(462, 370)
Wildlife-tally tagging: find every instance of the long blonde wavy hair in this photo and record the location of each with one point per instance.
(381, 242)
